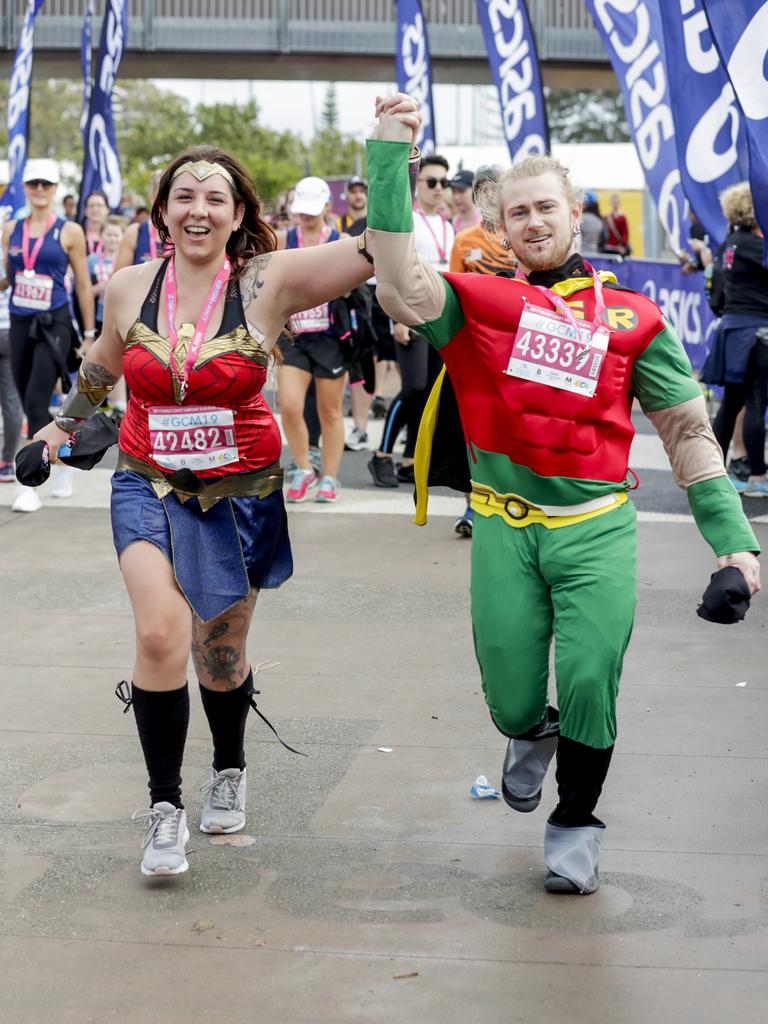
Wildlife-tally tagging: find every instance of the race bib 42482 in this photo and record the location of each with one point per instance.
(194, 437)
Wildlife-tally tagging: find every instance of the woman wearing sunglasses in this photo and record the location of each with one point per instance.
(39, 251)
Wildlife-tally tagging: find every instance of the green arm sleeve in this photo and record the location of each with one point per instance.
(716, 507)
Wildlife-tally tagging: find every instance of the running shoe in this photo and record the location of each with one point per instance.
(164, 840)
(224, 809)
(357, 440)
(379, 408)
(740, 485)
(405, 474)
(328, 490)
(299, 484)
(63, 480)
(7, 475)
(463, 525)
(756, 489)
(739, 468)
(382, 471)
(316, 459)
(27, 500)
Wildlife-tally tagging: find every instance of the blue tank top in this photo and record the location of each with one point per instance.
(292, 237)
(51, 261)
(143, 253)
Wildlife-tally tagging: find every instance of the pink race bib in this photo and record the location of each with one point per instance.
(548, 350)
(32, 291)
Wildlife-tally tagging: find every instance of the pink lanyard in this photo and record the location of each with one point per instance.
(324, 236)
(217, 288)
(152, 241)
(562, 306)
(29, 261)
(441, 251)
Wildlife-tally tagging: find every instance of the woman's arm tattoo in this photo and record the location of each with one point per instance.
(253, 279)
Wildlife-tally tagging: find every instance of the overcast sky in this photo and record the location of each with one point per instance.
(298, 106)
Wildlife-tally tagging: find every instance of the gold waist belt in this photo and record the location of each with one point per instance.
(185, 484)
(516, 511)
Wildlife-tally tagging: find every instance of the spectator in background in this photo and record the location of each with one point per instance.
(466, 215)
(141, 215)
(96, 212)
(101, 264)
(478, 250)
(69, 206)
(353, 222)
(739, 356)
(10, 403)
(592, 226)
(616, 239)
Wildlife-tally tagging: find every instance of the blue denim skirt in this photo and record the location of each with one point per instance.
(217, 556)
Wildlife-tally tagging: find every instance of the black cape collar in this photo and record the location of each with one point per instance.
(573, 267)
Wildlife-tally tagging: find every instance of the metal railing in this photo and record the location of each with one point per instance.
(563, 28)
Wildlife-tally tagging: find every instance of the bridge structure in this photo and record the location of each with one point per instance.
(332, 40)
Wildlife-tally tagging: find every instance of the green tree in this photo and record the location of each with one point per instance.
(330, 109)
(275, 160)
(54, 118)
(586, 115)
(152, 126)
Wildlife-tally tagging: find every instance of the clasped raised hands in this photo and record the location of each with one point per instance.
(399, 118)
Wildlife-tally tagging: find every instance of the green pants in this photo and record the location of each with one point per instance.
(577, 585)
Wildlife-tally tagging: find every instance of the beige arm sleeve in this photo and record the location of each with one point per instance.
(686, 434)
(409, 289)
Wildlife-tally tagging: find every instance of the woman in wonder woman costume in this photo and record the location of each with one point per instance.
(197, 507)
(545, 368)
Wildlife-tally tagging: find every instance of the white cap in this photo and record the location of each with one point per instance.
(41, 170)
(311, 197)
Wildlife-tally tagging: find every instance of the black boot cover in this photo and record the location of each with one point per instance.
(573, 836)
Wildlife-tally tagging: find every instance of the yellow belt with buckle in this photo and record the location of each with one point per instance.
(516, 511)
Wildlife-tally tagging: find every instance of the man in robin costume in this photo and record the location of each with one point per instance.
(545, 367)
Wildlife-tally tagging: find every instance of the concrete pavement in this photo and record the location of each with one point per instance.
(368, 886)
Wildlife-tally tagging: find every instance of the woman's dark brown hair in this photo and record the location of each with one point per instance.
(253, 237)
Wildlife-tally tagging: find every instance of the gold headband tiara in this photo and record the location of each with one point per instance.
(202, 169)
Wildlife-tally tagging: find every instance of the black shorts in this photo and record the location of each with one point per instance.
(314, 352)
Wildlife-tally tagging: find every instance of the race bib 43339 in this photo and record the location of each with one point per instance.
(194, 437)
(548, 350)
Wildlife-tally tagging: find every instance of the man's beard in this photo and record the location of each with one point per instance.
(548, 260)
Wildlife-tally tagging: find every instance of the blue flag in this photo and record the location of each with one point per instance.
(635, 44)
(85, 63)
(740, 31)
(414, 68)
(514, 62)
(18, 113)
(101, 167)
(709, 133)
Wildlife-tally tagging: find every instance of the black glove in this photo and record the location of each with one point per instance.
(727, 597)
(91, 444)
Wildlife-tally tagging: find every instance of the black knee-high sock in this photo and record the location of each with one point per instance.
(227, 713)
(581, 772)
(162, 718)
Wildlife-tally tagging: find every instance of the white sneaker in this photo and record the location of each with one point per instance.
(164, 841)
(63, 479)
(224, 809)
(27, 500)
(357, 441)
